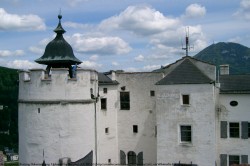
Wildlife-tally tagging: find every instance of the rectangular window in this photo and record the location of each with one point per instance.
(234, 159)
(106, 130)
(248, 130)
(105, 90)
(234, 130)
(152, 93)
(135, 129)
(186, 133)
(109, 161)
(103, 103)
(185, 99)
(124, 100)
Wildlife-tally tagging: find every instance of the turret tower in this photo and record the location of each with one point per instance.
(56, 111)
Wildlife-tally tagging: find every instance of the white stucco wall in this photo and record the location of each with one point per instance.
(108, 143)
(141, 113)
(239, 113)
(200, 114)
(56, 115)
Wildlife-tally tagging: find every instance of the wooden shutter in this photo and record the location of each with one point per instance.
(223, 129)
(244, 130)
(223, 160)
(122, 158)
(244, 159)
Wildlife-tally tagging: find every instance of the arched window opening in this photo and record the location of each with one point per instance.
(131, 158)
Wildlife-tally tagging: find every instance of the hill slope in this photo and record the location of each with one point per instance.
(236, 55)
(8, 108)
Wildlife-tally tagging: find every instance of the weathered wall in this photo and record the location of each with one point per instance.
(200, 114)
(141, 113)
(56, 115)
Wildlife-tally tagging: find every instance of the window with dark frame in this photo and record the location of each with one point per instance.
(124, 101)
(234, 130)
(152, 93)
(105, 90)
(186, 133)
(248, 130)
(135, 129)
(185, 99)
(103, 103)
(131, 158)
(233, 159)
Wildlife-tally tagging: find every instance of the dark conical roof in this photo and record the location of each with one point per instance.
(58, 51)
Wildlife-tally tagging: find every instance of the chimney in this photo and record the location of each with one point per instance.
(224, 69)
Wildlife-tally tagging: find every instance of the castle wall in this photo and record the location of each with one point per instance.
(56, 115)
(171, 113)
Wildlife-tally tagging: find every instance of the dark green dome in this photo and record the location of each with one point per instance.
(58, 52)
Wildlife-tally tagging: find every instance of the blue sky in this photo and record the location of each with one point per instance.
(132, 35)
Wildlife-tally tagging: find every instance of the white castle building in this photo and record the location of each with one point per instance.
(181, 114)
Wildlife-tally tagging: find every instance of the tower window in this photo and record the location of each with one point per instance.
(105, 90)
(109, 161)
(38, 110)
(152, 93)
(135, 129)
(103, 103)
(124, 100)
(185, 99)
(106, 130)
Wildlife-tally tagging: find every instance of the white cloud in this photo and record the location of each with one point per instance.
(7, 53)
(139, 58)
(94, 57)
(244, 10)
(76, 25)
(195, 10)
(115, 63)
(90, 65)
(141, 20)
(131, 69)
(100, 45)
(23, 64)
(20, 22)
(151, 67)
(40, 47)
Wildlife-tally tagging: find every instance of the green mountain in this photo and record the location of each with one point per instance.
(8, 108)
(236, 55)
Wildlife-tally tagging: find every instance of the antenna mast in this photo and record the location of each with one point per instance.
(187, 48)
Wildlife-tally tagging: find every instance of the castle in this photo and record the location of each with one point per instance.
(181, 114)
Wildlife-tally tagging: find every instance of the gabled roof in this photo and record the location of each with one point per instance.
(185, 73)
(105, 80)
(234, 84)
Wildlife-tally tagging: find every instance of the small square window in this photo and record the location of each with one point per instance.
(106, 130)
(103, 103)
(185, 99)
(234, 159)
(135, 129)
(105, 90)
(186, 133)
(234, 130)
(152, 93)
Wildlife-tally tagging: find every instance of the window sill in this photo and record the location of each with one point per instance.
(189, 144)
(185, 105)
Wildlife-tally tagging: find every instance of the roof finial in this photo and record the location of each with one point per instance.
(60, 15)
(187, 48)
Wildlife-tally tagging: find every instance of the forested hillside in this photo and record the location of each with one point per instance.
(8, 108)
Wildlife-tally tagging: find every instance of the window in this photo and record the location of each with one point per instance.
(152, 93)
(131, 158)
(185, 99)
(186, 133)
(135, 129)
(106, 130)
(38, 110)
(234, 160)
(234, 130)
(103, 103)
(105, 90)
(248, 130)
(124, 100)
(109, 161)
